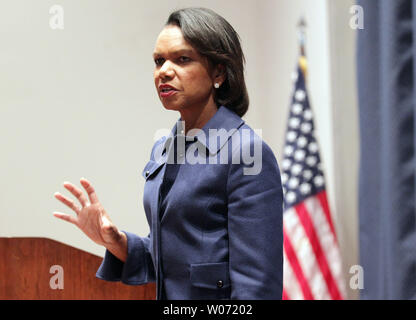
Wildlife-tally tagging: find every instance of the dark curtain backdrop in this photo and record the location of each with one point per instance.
(386, 71)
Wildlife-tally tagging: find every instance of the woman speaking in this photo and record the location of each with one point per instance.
(215, 220)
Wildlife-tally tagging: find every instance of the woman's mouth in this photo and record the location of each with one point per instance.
(167, 92)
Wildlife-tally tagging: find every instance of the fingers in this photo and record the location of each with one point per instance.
(67, 202)
(90, 190)
(77, 193)
(65, 217)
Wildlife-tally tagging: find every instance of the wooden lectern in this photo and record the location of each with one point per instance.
(25, 273)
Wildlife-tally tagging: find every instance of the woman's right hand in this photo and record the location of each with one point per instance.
(91, 218)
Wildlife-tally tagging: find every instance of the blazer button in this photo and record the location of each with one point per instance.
(219, 284)
(147, 173)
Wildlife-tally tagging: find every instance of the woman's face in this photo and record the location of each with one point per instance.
(179, 65)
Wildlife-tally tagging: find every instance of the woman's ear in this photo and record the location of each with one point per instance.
(219, 74)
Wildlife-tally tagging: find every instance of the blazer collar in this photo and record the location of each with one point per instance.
(224, 118)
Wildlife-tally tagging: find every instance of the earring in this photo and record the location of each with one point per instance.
(216, 85)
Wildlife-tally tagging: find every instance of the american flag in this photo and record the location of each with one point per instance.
(312, 262)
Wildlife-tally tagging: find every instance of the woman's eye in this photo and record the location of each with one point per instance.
(158, 61)
(184, 59)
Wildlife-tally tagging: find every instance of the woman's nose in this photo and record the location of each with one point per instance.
(166, 70)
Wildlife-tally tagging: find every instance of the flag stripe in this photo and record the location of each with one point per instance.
(326, 239)
(291, 255)
(305, 254)
(323, 264)
(285, 296)
(324, 204)
(290, 283)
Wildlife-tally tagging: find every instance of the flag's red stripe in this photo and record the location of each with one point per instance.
(285, 296)
(293, 260)
(324, 204)
(317, 249)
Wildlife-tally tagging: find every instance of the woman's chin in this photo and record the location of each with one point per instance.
(172, 106)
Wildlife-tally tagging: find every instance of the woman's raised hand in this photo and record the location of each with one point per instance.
(91, 217)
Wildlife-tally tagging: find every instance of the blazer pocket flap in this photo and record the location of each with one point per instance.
(150, 169)
(210, 275)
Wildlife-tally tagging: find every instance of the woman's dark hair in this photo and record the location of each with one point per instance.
(213, 37)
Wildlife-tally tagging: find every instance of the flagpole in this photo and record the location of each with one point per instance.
(302, 44)
(302, 35)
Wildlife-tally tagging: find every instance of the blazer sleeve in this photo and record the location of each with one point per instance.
(255, 228)
(138, 268)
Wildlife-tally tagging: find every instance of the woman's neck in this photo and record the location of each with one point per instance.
(196, 118)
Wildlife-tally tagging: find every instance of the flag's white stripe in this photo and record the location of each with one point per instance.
(290, 282)
(305, 254)
(327, 241)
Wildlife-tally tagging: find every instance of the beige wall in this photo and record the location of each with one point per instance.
(81, 102)
(346, 131)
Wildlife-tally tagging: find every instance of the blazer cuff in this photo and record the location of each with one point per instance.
(133, 271)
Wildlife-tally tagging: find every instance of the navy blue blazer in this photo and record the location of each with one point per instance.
(220, 235)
